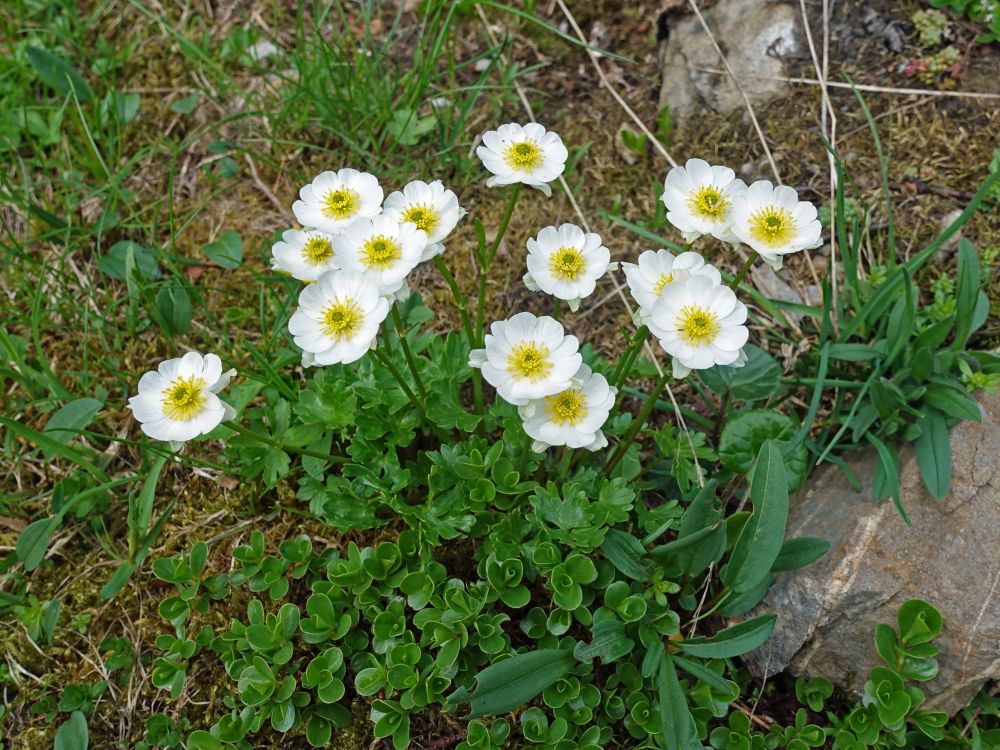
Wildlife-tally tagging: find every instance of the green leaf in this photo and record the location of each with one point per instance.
(202, 740)
(74, 416)
(118, 579)
(757, 380)
(934, 454)
(676, 722)
(695, 669)
(173, 307)
(227, 251)
(73, 734)
(855, 352)
(953, 402)
(966, 292)
(59, 74)
(919, 622)
(609, 643)
(113, 262)
(700, 514)
(744, 434)
(885, 482)
(186, 105)
(625, 552)
(408, 127)
(34, 542)
(733, 641)
(511, 683)
(799, 552)
(760, 541)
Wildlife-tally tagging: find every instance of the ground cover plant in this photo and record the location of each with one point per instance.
(497, 531)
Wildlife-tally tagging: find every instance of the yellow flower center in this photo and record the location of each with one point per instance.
(567, 408)
(183, 398)
(567, 263)
(423, 216)
(773, 225)
(529, 361)
(524, 156)
(342, 319)
(709, 202)
(665, 278)
(341, 203)
(317, 250)
(381, 252)
(697, 326)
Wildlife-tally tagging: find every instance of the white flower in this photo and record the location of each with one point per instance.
(526, 154)
(305, 254)
(572, 417)
(700, 323)
(430, 208)
(527, 358)
(178, 401)
(335, 199)
(566, 263)
(382, 249)
(699, 199)
(657, 268)
(774, 222)
(338, 318)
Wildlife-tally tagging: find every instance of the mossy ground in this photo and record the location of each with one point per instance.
(938, 151)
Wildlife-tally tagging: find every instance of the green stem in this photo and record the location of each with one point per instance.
(634, 430)
(141, 506)
(402, 382)
(397, 320)
(461, 301)
(744, 270)
(556, 308)
(621, 372)
(565, 461)
(260, 437)
(487, 260)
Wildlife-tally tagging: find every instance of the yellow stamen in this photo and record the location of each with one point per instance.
(381, 252)
(423, 216)
(529, 361)
(342, 319)
(772, 225)
(708, 202)
(183, 399)
(567, 408)
(665, 278)
(524, 156)
(317, 250)
(567, 263)
(341, 203)
(697, 326)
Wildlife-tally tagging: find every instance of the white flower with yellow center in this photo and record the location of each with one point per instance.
(657, 268)
(179, 400)
(304, 254)
(700, 323)
(523, 153)
(699, 199)
(572, 417)
(382, 249)
(774, 222)
(334, 200)
(338, 317)
(566, 263)
(428, 207)
(528, 358)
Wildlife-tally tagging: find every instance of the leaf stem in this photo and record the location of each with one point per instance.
(744, 270)
(634, 430)
(260, 437)
(397, 320)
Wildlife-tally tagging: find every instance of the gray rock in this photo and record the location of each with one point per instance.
(772, 286)
(754, 35)
(827, 612)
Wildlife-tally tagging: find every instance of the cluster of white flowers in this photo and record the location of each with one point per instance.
(355, 252)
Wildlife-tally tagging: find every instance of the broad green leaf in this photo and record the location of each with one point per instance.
(739, 604)
(744, 434)
(227, 251)
(966, 292)
(626, 553)
(173, 307)
(760, 541)
(202, 740)
(934, 454)
(609, 643)
(695, 669)
(953, 402)
(34, 542)
(676, 723)
(757, 380)
(700, 514)
(885, 481)
(113, 262)
(59, 74)
(511, 683)
(73, 734)
(855, 352)
(799, 552)
(186, 105)
(64, 424)
(733, 641)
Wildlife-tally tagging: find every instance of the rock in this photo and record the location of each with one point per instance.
(755, 37)
(827, 612)
(772, 286)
